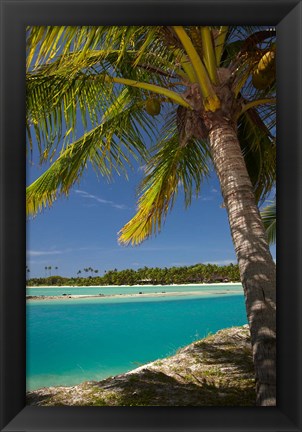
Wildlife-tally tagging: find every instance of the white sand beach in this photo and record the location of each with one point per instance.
(161, 294)
(139, 286)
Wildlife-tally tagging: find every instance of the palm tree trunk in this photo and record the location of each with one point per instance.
(257, 268)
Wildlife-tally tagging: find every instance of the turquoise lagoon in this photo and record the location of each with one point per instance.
(71, 341)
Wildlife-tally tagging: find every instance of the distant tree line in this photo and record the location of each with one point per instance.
(198, 273)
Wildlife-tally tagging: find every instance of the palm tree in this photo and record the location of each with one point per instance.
(215, 90)
(27, 271)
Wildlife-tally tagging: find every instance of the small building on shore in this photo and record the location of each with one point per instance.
(219, 278)
(147, 281)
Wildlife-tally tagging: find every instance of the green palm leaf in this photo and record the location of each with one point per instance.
(259, 150)
(268, 215)
(109, 147)
(172, 167)
(67, 89)
(75, 86)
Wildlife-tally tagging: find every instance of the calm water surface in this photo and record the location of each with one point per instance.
(72, 341)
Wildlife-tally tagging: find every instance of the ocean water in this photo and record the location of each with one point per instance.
(54, 291)
(73, 341)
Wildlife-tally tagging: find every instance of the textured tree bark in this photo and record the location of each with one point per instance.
(257, 268)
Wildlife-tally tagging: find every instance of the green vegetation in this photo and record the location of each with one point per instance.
(199, 273)
(269, 217)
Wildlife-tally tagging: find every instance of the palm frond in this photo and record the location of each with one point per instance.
(172, 166)
(78, 77)
(46, 44)
(73, 86)
(109, 147)
(244, 47)
(211, 102)
(259, 151)
(268, 215)
(53, 106)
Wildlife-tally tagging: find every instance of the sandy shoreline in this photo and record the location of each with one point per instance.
(133, 286)
(162, 294)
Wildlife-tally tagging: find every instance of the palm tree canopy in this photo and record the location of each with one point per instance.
(127, 85)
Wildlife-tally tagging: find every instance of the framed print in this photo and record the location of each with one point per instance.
(99, 78)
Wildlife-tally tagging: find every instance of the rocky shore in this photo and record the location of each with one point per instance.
(215, 371)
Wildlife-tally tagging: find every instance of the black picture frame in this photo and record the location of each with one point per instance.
(15, 15)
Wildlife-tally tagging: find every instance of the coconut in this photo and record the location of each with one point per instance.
(267, 62)
(262, 80)
(153, 106)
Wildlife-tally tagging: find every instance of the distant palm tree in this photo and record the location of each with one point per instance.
(45, 270)
(49, 268)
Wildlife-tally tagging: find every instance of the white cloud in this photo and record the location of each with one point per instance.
(85, 194)
(42, 253)
(37, 253)
(159, 248)
(31, 262)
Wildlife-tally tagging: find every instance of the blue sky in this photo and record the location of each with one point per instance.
(81, 230)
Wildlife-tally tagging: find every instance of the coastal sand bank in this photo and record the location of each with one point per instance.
(161, 294)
